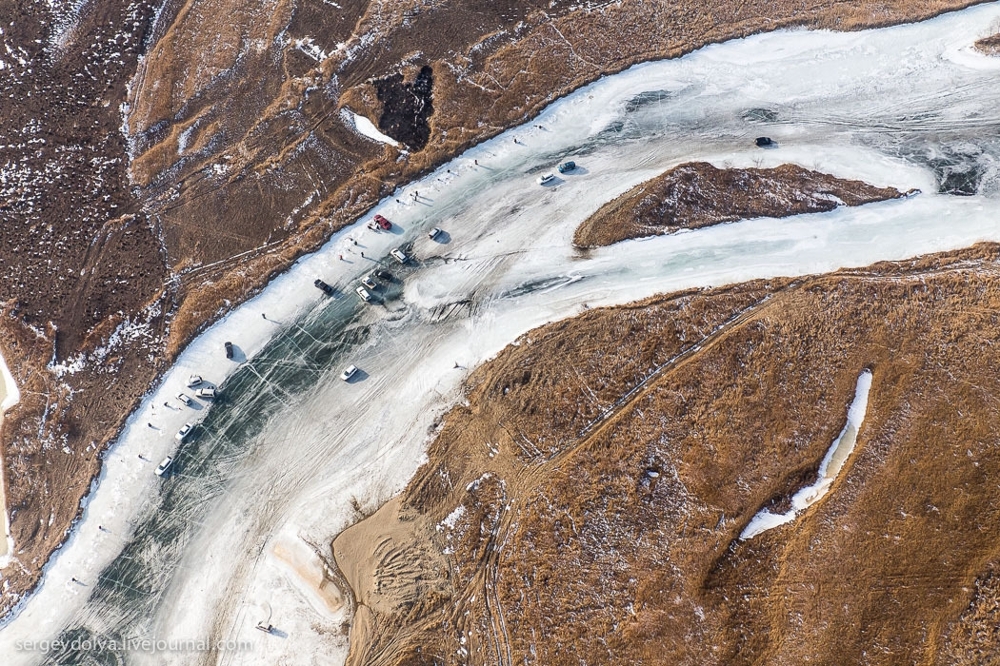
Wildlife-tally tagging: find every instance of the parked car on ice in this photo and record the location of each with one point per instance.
(399, 256)
(434, 233)
(184, 399)
(566, 167)
(764, 142)
(363, 294)
(323, 286)
(349, 372)
(382, 222)
(207, 392)
(164, 465)
(229, 349)
(184, 432)
(368, 282)
(194, 380)
(546, 178)
(383, 275)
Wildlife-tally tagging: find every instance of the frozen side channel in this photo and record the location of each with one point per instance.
(829, 468)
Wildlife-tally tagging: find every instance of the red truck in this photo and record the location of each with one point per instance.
(382, 222)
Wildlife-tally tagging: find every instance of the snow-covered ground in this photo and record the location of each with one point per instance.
(885, 106)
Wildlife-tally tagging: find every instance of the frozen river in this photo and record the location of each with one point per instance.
(237, 534)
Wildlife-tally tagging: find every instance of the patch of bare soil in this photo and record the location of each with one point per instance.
(588, 500)
(407, 107)
(144, 196)
(698, 194)
(989, 45)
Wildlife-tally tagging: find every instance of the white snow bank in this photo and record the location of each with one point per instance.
(10, 397)
(11, 394)
(829, 468)
(305, 571)
(367, 128)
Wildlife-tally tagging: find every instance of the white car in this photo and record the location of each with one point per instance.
(368, 283)
(184, 432)
(206, 392)
(184, 399)
(349, 372)
(546, 178)
(363, 293)
(399, 256)
(194, 380)
(433, 233)
(164, 465)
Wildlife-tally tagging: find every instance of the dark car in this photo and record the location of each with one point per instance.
(382, 222)
(383, 275)
(566, 167)
(764, 141)
(229, 349)
(323, 286)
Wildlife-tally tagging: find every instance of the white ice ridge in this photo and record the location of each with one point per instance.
(829, 468)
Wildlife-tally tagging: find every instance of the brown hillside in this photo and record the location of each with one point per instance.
(586, 504)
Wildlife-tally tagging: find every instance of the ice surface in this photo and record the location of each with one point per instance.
(10, 395)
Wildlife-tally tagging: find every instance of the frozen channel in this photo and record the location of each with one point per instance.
(275, 470)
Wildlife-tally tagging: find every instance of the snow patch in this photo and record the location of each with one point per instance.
(452, 518)
(366, 127)
(307, 46)
(829, 468)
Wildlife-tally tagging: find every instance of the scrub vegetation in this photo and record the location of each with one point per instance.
(989, 45)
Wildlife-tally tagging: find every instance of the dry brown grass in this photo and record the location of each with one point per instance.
(989, 45)
(571, 549)
(698, 194)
